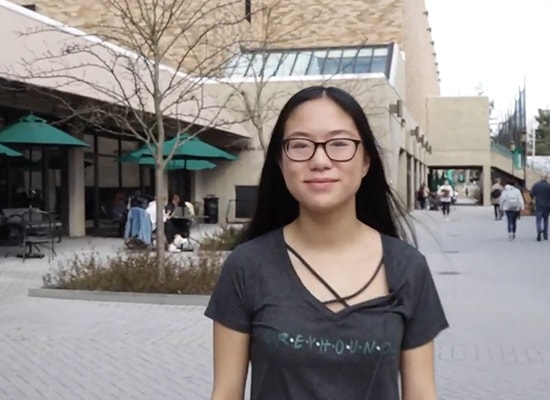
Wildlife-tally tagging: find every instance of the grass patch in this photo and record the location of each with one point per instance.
(136, 272)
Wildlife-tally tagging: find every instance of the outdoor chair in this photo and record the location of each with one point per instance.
(198, 218)
(38, 232)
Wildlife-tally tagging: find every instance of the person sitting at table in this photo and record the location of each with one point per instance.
(177, 226)
(172, 206)
(137, 200)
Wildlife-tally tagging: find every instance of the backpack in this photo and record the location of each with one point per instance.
(495, 194)
(513, 202)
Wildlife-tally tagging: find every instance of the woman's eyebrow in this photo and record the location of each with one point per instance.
(333, 132)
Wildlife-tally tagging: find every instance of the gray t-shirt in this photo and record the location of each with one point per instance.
(299, 349)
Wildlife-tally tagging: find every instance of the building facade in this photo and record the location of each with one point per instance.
(281, 24)
(388, 42)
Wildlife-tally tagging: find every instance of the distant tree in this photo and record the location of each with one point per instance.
(480, 89)
(542, 133)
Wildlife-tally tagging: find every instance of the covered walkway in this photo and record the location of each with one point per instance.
(40, 74)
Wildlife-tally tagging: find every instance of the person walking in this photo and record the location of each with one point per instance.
(324, 298)
(496, 191)
(423, 195)
(446, 193)
(511, 202)
(541, 193)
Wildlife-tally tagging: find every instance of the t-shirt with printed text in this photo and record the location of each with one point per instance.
(299, 348)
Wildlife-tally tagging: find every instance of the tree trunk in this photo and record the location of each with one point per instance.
(161, 202)
(160, 163)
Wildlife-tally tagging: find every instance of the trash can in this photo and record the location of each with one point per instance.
(211, 209)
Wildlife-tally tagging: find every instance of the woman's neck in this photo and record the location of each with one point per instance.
(321, 231)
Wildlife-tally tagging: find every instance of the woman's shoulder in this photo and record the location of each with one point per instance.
(253, 251)
(403, 259)
(399, 248)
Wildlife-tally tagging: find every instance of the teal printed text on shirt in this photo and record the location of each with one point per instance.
(301, 342)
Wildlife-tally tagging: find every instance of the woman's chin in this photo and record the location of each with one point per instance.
(321, 205)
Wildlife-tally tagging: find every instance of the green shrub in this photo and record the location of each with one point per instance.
(224, 240)
(136, 272)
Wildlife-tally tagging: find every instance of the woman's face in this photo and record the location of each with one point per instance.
(320, 183)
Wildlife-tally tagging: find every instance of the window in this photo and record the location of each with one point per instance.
(245, 199)
(263, 65)
(287, 62)
(332, 62)
(379, 60)
(301, 64)
(349, 58)
(248, 10)
(317, 63)
(311, 62)
(362, 64)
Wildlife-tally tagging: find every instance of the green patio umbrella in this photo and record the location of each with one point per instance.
(188, 148)
(191, 165)
(6, 151)
(31, 130)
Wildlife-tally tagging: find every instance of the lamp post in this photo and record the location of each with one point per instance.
(513, 151)
(524, 155)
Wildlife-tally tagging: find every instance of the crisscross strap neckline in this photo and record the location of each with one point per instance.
(338, 299)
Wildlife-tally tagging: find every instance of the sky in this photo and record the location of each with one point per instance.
(496, 44)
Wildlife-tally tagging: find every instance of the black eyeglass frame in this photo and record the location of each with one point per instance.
(285, 143)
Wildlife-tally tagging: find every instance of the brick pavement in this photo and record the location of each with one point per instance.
(494, 291)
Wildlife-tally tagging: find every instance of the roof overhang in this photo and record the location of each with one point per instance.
(36, 51)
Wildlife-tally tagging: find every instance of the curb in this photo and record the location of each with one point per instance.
(121, 297)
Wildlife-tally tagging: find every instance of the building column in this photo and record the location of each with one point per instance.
(401, 186)
(486, 185)
(411, 183)
(76, 193)
(424, 173)
(417, 176)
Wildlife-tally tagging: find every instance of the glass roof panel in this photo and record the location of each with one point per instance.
(332, 62)
(317, 62)
(349, 57)
(287, 63)
(301, 62)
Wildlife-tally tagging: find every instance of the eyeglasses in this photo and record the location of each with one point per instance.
(339, 150)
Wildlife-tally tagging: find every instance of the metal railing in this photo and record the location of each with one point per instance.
(502, 150)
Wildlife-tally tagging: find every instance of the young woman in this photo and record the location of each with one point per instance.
(512, 204)
(323, 298)
(445, 193)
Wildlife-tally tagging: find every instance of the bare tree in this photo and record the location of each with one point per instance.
(255, 94)
(120, 66)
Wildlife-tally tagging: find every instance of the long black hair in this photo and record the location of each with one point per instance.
(376, 205)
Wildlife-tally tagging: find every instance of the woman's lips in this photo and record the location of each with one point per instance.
(321, 183)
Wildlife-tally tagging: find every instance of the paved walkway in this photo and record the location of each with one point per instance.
(495, 293)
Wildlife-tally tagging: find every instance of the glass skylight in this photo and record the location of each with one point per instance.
(300, 62)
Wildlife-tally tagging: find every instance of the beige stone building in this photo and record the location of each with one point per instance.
(380, 50)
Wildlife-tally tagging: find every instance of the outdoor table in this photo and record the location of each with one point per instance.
(16, 223)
